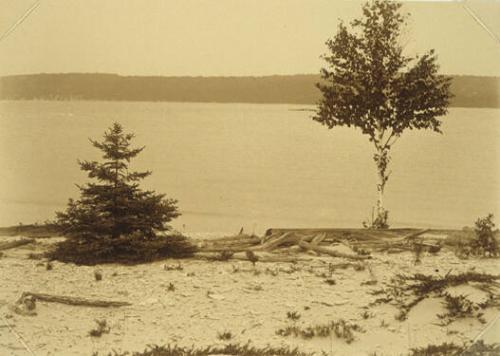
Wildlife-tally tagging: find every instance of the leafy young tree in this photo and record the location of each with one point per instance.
(114, 205)
(369, 84)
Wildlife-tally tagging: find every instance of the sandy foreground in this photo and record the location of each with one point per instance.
(213, 297)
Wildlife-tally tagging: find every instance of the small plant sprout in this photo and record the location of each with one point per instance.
(485, 243)
(98, 275)
(293, 316)
(366, 315)
(171, 287)
(225, 255)
(252, 257)
(102, 328)
(340, 328)
(225, 335)
(49, 266)
(418, 250)
(330, 281)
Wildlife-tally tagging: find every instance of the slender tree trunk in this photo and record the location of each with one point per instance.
(380, 190)
(381, 159)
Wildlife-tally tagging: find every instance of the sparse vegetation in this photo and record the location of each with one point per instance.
(171, 287)
(293, 316)
(224, 255)
(98, 275)
(225, 335)
(445, 349)
(480, 241)
(340, 328)
(230, 349)
(102, 328)
(485, 243)
(460, 307)
(366, 315)
(418, 250)
(451, 349)
(330, 281)
(420, 286)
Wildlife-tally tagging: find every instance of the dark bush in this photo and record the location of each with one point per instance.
(125, 250)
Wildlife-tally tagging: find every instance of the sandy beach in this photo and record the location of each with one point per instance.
(209, 298)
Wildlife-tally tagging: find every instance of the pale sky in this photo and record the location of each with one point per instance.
(225, 37)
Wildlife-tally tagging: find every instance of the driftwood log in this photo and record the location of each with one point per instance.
(331, 252)
(51, 298)
(242, 257)
(16, 243)
(290, 242)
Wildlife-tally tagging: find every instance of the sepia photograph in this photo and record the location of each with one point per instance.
(249, 177)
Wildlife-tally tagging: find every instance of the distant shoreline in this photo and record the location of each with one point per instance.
(469, 91)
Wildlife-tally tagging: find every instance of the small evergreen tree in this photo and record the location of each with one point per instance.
(371, 85)
(485, 242)
(115, 205)
(114, 219)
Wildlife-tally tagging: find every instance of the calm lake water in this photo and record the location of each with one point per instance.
(252, 165)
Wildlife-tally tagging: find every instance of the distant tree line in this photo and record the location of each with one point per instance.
(468, 91)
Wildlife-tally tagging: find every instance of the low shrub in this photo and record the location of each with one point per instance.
(460, 307)
(125, 250)
(340, 328)
(417, 287)
(480, 241)
(225, 335)
(451, 349)
(230, 349)
(102, 328)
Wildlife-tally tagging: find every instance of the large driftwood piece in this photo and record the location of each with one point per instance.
(261, 258)
(74, 300)
(285, 239)
(13, 244)
(330, 252)
(230, 239)
(415, 234)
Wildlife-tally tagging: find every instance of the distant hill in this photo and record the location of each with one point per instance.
(470, 91)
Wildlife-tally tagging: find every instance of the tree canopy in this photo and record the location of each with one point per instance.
(370, 84)
(113, 205)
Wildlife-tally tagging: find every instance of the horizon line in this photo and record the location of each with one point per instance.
(206, 76)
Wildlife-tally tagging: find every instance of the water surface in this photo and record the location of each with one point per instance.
(252, 165)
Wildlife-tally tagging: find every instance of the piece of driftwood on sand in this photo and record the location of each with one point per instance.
(51, 298)
(284, 245)
(16, 243)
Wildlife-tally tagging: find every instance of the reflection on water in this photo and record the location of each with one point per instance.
(257, 166)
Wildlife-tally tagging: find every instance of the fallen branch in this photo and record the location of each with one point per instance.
(73, 300)
(330, 252)
(415, 234)
(243, 257)
(17, 243)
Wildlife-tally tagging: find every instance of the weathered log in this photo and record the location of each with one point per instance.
(330, 252)
(415, 234)
(285, 239)
(16, 243)
(229, 238)
(261, 258)
(247, 241)
(238, 248)
(73, 300)
(275, 242)
(318, 239)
